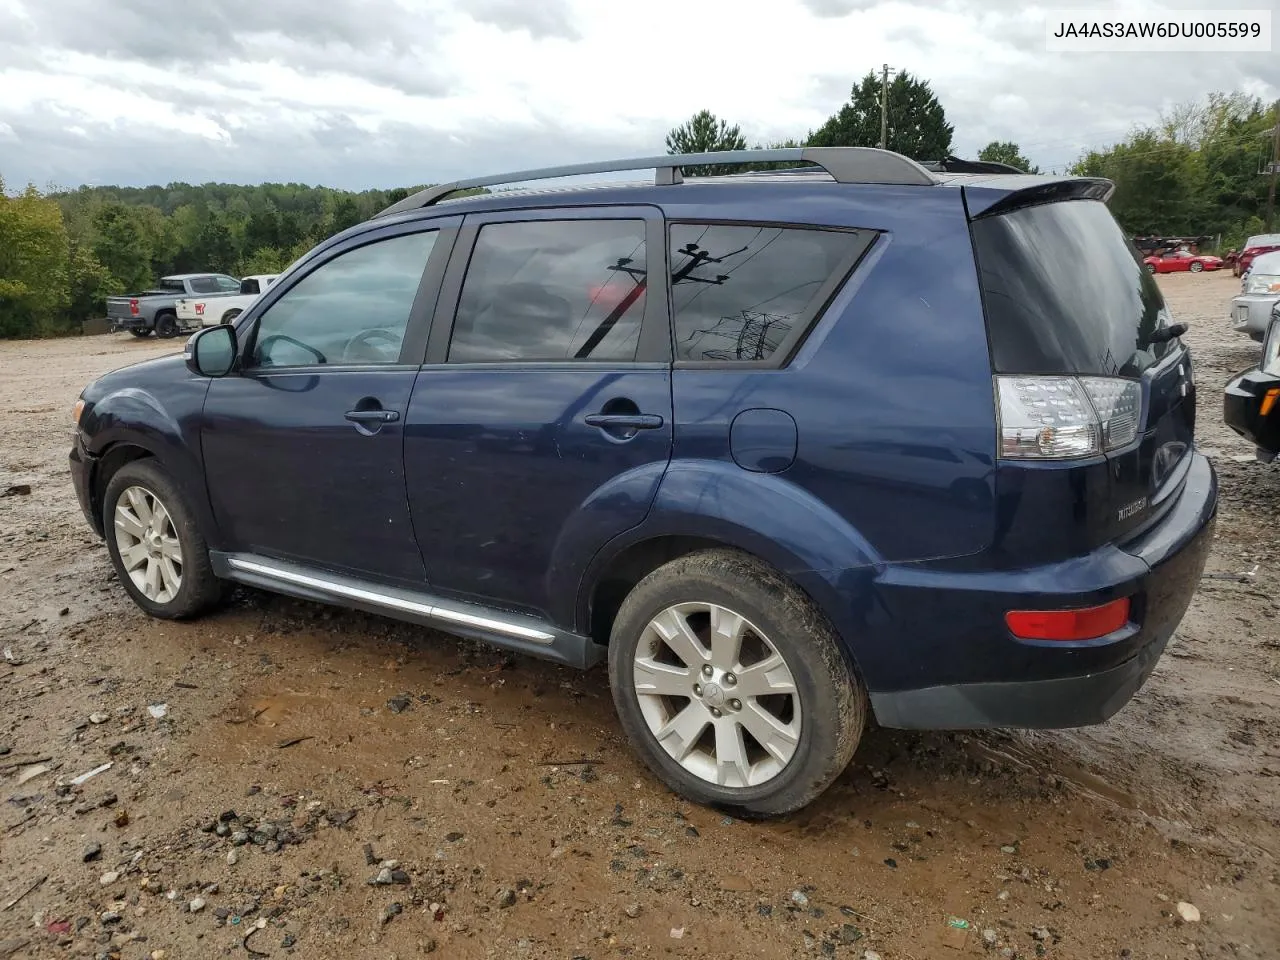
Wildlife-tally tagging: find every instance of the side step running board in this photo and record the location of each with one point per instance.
(512, 631)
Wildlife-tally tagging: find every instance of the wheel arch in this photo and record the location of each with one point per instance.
(798, 536)
(108, 464)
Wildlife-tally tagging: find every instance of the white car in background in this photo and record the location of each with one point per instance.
(211, 311)
(1260, 291)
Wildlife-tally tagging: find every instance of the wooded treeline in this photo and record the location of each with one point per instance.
(62, 252)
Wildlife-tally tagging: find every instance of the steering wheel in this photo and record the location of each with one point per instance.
(264, 354)
(372, 346)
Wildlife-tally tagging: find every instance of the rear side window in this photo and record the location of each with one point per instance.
(1067, 293)
(204, 285)
(167, 284)
(552, 290)
(747, 293)
(249, 286)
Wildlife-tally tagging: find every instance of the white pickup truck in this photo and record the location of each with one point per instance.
(211, 311)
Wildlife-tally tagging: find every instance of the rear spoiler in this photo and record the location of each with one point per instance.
(991, 196)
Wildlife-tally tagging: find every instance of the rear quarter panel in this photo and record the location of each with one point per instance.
(891, 391)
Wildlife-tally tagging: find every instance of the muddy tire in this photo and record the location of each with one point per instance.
(731, 685)
(156, 548)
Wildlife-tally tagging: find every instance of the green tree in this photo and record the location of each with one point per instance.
(122, 245)
(917, 125)
(1006, 151)
(217, 245)
(88, 281)
(704, 132)
(264, 260)
(346, 213)
(33, 265)
(1159, 183)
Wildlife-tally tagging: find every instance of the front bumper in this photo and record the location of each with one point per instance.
(1242, 410)
(1054, 685)
(83, 464)
(1250, 313)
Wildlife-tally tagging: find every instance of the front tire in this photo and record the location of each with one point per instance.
(731, 685)
(156, 548)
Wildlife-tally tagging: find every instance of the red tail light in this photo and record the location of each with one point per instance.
(133, 307)
(1089, 623)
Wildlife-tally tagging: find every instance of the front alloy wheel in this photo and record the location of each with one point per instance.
(717, 695)
(147, 540)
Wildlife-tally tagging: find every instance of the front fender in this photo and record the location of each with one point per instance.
(167, 428)
(769, 517)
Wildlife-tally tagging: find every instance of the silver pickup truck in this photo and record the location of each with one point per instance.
(156, 309)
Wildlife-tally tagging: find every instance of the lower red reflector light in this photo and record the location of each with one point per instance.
(1087, 624)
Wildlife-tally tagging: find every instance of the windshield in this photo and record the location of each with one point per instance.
(1065, 292)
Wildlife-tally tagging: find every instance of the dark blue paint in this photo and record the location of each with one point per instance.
(290, 477)
(865, 469)
(763, 441)
(502, 469)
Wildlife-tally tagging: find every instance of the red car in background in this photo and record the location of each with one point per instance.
(1176, 260)
(1255, 247)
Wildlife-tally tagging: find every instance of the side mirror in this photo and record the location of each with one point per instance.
(211, 352)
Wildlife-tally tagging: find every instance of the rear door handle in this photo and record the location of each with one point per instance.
(624, 421)
(372, 416)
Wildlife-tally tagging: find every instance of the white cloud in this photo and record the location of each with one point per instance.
(362, 93)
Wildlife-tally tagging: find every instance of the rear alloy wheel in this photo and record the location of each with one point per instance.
(743, 695)
(1196, 267)
(155, 546)
(731, 685)
(166, 326)
(1151, 268)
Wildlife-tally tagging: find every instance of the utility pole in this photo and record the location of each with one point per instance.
(1275, 170)
(885, 71)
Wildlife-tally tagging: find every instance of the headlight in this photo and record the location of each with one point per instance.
(76, 411)
(1263, 283)
(1271, 345)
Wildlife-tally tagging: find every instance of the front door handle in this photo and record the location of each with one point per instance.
(624, 421)
(372, 416)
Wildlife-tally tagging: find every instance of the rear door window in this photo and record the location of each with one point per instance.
(552, 290)
(747, 293)
(204, 285)
(1067, 293)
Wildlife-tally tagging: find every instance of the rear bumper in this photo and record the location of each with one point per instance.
(129, 323)
(1250, 313)
(1004, 682)
(1242, 409)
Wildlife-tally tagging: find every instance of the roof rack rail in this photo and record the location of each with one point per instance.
(956, 165)
(845, 164)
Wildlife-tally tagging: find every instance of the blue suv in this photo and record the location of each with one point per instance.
(788, 448)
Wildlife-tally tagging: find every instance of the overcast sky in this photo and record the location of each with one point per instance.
(379, 93)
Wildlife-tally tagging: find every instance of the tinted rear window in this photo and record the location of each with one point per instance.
(740, 292)
(1066, 292)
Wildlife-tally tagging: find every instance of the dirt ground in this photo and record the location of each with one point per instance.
(301, 746)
